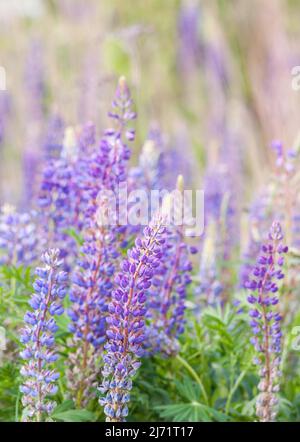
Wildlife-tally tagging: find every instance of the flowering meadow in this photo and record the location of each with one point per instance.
(126, 309)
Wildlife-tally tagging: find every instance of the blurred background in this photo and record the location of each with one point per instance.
(211, 77)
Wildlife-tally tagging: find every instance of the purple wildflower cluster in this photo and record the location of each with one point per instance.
(107, 164)
(38, 338)
(265, 320)
(90, 292)
(126, 320)
(93, 276)
(115, 320)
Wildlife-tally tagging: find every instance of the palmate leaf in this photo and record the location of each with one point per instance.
(188, 390)
(215, 324)
(193, 410)
(285, 409)
(227, 328)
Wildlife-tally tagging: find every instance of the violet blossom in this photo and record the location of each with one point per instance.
(265, 320)
(38, 338)
(126, 320)
(93, 276)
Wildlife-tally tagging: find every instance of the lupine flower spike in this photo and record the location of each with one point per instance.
(265, 320)
(93, 275)
(126, 321)
(38, 338)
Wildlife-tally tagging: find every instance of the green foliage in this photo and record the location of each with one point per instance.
(211, 379)
(9, 392)
(192, 410)
(66, 412)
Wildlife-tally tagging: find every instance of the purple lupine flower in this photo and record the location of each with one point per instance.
(19, 239)
(265, 320)
(126, 320)
(92, 284)
(107, 165)
(93, 276)
(38, 338)
(56, 200)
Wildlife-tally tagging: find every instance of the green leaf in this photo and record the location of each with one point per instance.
(64, 406)
(74, 416)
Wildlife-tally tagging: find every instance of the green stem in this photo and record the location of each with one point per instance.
(195, 376)
(233, 390)
(17, 408)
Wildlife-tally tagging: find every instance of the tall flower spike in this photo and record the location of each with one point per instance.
(56, 199)
(93, 276)
(90, 294)
(126, 321)
(107, 165)
(38, 338)
(265, 320)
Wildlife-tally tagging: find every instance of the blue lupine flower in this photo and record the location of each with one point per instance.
(126, 320)
(38, 338)
(93, 276)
